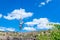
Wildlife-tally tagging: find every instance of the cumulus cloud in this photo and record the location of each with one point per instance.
(44, 26)
(31, 23)
(41, 23)
(29, 29)
(38, 21)
(6, 29)
(0, 15)
(44, 3)
(17, 14)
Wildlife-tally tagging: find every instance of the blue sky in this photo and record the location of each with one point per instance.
(33, 12)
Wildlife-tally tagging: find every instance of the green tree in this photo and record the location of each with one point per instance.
(57, 26)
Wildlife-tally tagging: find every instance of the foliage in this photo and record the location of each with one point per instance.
(50, 34)
(57, 26)
(54, 35)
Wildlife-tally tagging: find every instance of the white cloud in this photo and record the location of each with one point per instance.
(47, 1)
(17, 14)
(2, 29)
(44, 26)
(29, 29)
(31, 23)
(38, 21)
(10, 29)
(41, 23)
(41, 4)
(55, 23)
(0, 15)
(44, 3)
(6, 29)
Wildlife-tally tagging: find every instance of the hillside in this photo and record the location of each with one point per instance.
(51, 34)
